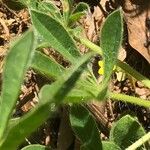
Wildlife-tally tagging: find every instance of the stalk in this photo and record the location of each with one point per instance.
(129, 99)
(139, 142)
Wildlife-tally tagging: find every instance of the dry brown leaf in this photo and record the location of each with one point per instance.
(136, 13)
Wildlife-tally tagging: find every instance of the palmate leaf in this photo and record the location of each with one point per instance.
(16, 64)
(55, 34)
(85, 128)
(50, 95)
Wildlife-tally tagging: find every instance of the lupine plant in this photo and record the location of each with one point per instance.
(74, 85)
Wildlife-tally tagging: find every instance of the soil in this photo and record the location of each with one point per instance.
(14, 23)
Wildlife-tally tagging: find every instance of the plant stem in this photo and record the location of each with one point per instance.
(90, 45)
(121, 64)
(130, 99)
(139, 142)
(134, 73)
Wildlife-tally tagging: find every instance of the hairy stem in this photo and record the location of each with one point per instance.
(134, 73)
(130, 99)
(139, 142)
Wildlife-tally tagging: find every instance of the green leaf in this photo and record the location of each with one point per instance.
(69, 84)
(75, 17)
(85, 127)
(16, 64)
(111, 39)
(55, 34)
(79, 11)
(46, 66)
(50, 9)
(107, 145)
(126, 131)
(50, 96)
(81, 7)
(86, 89)
(35, 147)
(24, 126)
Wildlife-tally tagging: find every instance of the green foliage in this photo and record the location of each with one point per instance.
(65, 82)
(46, 66)
(85, 128)
(107, 145)
(35, 147)
(78, 12)
(16, 64)
(55, 34)
(111, 40)
(48, 8)
(126, 131)
(50, 96)
(75, 84)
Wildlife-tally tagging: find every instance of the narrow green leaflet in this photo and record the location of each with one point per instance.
(23, 127)
(46, 66)
(110, 41)
(50, 96)
(126, 131)
(16, 64)
(107, 145)
(85, 128)
(55, 34)
(36, 147)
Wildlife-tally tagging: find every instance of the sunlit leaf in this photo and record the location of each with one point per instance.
(111, 39)
(16, 64)
(55, 34)
(50, 96)
(126, 131)
(110, 42)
